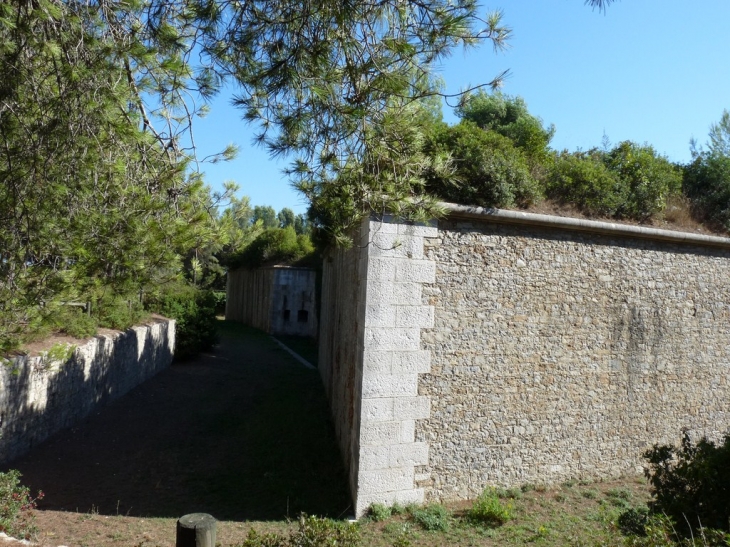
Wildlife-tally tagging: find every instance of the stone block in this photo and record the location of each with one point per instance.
(418, 362)
(429, 229)
(377, 410)
(407, 431)
(389, 385)
(383, 339)
(374, 457)
(383, 227)
(406, 294)
(412, 408)
(379, 293)
(380, 434)
(382, 269)
(377, 361)
(414, 316)
(402, 455)
(395, 245)
(415, 271)
(381, 316)
(385, 480)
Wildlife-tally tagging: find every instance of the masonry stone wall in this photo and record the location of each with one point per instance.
(39, 398)
(559, 354)
(276, 299)
(341, 346)
(502, 348)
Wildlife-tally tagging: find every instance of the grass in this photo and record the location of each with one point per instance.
(276, 455)
(534, 517)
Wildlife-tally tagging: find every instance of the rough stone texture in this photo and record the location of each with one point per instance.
(341, 346)
(372, 297)
(559, 354)
(38, 398)
(504, 348)
(277, 300)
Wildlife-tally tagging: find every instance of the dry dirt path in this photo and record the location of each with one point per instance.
(242, 433)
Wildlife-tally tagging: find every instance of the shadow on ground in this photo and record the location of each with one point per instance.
(242, 433)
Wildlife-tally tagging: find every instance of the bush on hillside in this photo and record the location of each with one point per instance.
(509, 117)
(489, 170)
(311, 532)
(647, 177)
(707, 183)
(583, 180)
(16, 506)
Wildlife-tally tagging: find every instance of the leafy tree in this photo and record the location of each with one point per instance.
(286, 218)
(301, 225)
(334, 83)
(266, 215)
(274, 246)
(707, 178)
(95, 203)
(509, 117)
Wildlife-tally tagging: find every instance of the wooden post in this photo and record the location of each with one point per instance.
(196, 530)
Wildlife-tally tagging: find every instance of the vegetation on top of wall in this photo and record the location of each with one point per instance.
(498, 155)
(488, 169)
(275, 246)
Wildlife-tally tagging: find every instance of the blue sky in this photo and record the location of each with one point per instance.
(647, 71)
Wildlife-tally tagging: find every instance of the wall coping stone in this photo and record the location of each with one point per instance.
(582, 225)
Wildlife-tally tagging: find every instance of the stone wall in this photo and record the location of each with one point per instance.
(505, 348)
(340, 347)
(277, 300)
(39, 398)
(561, 354)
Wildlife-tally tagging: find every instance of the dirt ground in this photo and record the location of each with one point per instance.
(241, 433)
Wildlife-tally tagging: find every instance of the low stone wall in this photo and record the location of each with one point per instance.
(39, 398)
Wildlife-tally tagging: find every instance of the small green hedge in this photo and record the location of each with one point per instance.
(194, 311)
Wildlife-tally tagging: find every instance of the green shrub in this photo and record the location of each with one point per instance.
(275, 245)
(661, 531)
(16, 506)
(707, 183)
(379, 512)
(488, 510)
(119, 312)
(583, 180)
(433, 517)
(633, 521)
(509, 117)
(490, 171)
(220, 302)
(311, 532)
(648, 177)
(691, 484)
(194, 313)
